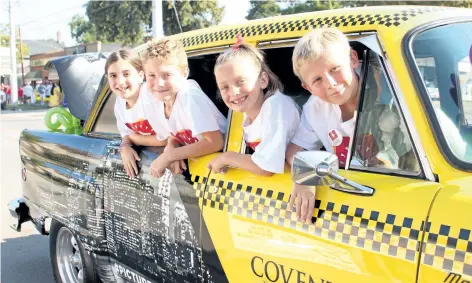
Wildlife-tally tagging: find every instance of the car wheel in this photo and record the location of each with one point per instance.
(70, 262)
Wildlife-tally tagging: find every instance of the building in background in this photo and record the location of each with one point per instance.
(92, 47)
(5, 66)
(41, 52)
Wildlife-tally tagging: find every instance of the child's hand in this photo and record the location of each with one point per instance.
(305, 201)
(159, 165)
(129, 157)
(178, 167)
(218, 164)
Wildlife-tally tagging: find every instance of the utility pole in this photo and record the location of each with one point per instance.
(21, 56)
(157, 23)
(13, 79)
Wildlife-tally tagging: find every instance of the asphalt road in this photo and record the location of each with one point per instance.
(24, 255)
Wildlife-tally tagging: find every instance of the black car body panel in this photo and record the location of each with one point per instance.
(141, 228)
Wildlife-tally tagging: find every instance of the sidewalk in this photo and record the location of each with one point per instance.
(24, 108)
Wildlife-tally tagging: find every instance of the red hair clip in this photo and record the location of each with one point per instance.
(239, 41)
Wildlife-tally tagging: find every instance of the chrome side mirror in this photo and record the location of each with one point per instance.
(320, 168)
(312, 168)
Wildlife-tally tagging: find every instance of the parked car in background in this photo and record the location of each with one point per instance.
(407, 222)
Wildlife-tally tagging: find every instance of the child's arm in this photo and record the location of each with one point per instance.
(151, 140)
(292, 149)
(236, 160)
(304, 195)
(129, 157)
(211, 142)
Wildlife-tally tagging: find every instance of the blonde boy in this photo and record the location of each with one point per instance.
(325, 64)
(194, 125)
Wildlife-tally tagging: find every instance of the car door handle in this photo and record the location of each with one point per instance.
(345, 185)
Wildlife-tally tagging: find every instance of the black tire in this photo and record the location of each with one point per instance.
(61, 276)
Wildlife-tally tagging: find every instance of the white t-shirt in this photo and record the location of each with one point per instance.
(192, 115)
(459, 147)
(28, 91)
(48, 89)
(271, 131)
(134, 119)
(321, 125)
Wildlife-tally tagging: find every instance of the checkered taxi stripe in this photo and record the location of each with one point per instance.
(448, 249)
(387, 234)
(388, 20)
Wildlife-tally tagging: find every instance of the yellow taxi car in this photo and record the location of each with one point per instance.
(410, 221)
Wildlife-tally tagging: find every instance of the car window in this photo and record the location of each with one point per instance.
(427, 67)
(106, 121)
(201, 70)
(382, 142)
(446, 51)
(464, 67)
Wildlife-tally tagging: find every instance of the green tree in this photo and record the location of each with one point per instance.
(263, 9)
(192, 15)
(82, 30)
(128, 22)
(5, 42)
(296, 7)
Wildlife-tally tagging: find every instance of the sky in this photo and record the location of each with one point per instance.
(43, 19)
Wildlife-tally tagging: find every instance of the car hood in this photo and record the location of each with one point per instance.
(79, 77)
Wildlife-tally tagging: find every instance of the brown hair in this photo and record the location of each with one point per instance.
(122, 54)
(257, 57)
(166, 50)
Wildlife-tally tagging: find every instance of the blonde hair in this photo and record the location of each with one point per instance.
(257, 57)
(313, 44)
(167, 50)
(122, 54)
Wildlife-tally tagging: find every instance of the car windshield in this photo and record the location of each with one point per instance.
(443, 56)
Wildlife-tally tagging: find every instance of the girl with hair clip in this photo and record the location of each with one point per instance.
(125, 76)
(271, 118)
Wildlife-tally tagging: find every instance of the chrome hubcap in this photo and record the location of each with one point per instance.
(68, 257)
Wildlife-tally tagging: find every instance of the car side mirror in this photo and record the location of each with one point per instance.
(320, 168)
(312, 168)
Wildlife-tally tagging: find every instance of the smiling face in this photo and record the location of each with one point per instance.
(240, 84)
(331, 77)
(124, 79)
(164, 78)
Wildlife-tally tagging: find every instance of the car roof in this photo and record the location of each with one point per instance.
(385, 19)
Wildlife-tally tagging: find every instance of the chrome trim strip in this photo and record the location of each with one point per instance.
(243, 146)
(210, 50)
(424, 162)
(384, 171)
(292, 41)
(47, 224)
(228, 127)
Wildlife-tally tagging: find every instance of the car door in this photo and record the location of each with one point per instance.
(354, 238)
(441, 52)
(152, 225)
